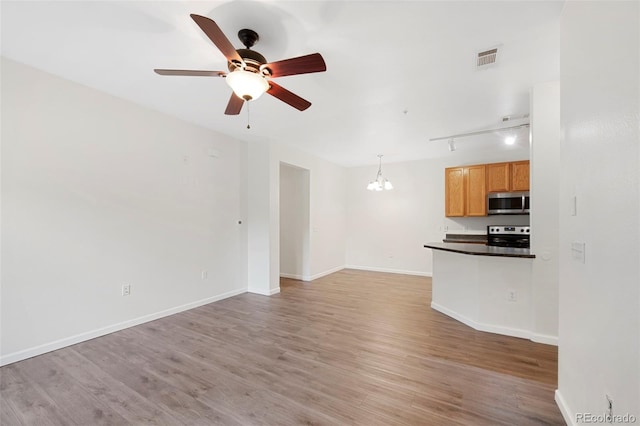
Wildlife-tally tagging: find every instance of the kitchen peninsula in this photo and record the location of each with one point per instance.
(487, 288)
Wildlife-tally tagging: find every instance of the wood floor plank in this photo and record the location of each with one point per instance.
(27, 399)
(130, 405)
(79, 407)
(351, 348)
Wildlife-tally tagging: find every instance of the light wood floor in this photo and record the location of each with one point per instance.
(352, 348)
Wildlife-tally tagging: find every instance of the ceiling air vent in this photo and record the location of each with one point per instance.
(486, 58)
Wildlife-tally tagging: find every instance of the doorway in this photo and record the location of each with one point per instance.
(294, 222)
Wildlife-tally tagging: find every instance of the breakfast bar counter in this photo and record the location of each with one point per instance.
(485, 287)
(481, 249)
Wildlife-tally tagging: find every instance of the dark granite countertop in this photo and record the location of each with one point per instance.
(465, 238)
(481, 250)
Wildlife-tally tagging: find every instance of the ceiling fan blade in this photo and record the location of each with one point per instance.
(195, 73)
(300, 65)
(235, 105)
(215, 34)
(288, 97)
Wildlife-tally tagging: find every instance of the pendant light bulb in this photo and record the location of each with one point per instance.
(380, 183)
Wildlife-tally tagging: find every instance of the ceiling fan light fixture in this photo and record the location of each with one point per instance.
(246, 84)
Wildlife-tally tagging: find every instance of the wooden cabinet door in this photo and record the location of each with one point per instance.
(454, 195)
(476, 190)
(498, 177)
(520, 176)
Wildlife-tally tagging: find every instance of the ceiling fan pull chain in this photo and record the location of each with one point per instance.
(248, 114)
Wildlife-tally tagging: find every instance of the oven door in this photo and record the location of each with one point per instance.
(508, 203)
(506, 241)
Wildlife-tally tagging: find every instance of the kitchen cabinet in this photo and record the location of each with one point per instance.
(520, 176)
(454, 195)
(476, 193)
(466, 187)
(506, 177)
(498, 177)
(465, 191)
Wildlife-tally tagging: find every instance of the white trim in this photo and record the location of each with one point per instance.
(291, 276)
(322, 274)
(271, 291)
(507, 331)
(544, 338)
(88, 335)
(390, 270)
(564, 409)
(360, 268)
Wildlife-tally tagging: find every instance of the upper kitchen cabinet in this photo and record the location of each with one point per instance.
(454, 194)
(465, 191)
(505, 177)
(498, 177)
(520, 176)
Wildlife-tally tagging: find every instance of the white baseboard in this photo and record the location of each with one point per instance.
(564, 409)
(361, 268)
(389, 270)
(506, 331)
(323, 274)
(544, 338)
(72, 340)
(291, 276)
(311, 277)
(262, 292)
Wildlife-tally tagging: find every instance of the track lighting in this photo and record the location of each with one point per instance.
(482, 132)
(510, 140)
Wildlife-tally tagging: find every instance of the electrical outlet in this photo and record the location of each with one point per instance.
(205, 274)
(512, 295)
(126, 289)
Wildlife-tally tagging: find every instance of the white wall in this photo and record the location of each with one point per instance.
(294, 222)
(98, 192)
(545, 171)
(386, 230)
(327, 213)
(599, 351)
(262, 221)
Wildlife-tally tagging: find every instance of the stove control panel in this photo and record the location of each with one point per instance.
(508, 230)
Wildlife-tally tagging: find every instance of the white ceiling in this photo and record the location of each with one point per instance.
(398, 72)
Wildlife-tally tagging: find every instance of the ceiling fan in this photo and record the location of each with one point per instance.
(250, 75)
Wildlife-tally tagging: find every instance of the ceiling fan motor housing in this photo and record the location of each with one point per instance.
(251, 58)
(248, 37)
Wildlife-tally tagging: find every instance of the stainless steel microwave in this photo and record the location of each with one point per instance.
(508, 203)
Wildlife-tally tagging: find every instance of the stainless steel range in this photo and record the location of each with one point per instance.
(508, 236)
